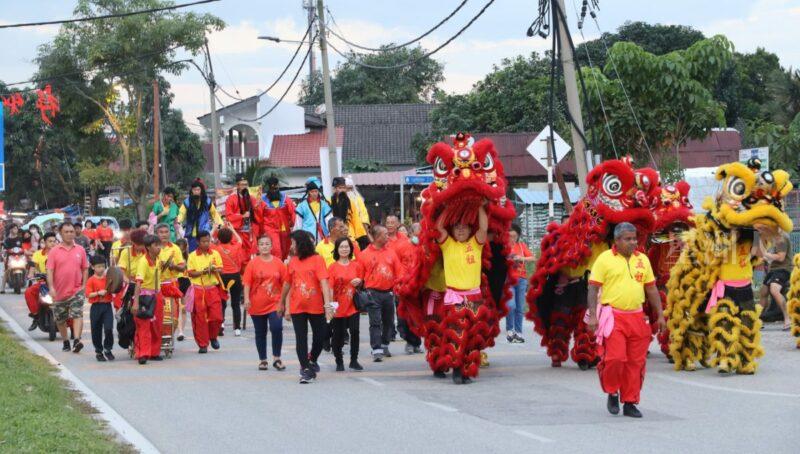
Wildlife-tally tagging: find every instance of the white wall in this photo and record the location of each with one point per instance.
(287, 118)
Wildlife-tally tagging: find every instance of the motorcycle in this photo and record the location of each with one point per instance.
(16, 266)
(44, 317)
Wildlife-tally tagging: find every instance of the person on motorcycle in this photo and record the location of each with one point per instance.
(39, 267)
(12, 240)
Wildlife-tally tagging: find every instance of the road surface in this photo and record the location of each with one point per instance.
(220, 402)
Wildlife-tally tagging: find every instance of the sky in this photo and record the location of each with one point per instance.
(246, 64)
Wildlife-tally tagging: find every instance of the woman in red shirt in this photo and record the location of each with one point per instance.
(263, 280)
(520, 255)
(310, 295)
(345, 276)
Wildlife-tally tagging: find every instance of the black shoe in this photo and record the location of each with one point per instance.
(202, 350)
(386, 352)
(306, 376)
(109, 356)
(355, 366)
(142, 360)
(314, 366)
(100, 357)
(631, 410)
(613, 404)
(439, 374)
(181, 338)
(157, 358)
(77, 346)
(457, 378)
(583, 364)
(417, 349)
(339, 365)
(34, 325)
(215, 344)
(66, 347)
(221, 332)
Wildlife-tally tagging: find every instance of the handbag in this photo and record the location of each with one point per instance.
(362, 299)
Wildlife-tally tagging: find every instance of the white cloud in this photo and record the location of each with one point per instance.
(771, 24)
(241, 38)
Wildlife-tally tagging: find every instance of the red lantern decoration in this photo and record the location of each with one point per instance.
(47, 104)
(13, 102)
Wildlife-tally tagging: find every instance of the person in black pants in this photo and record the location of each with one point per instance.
(232, 257)
(101, 313)
(310, 298)
(413, 342)
(345, 276)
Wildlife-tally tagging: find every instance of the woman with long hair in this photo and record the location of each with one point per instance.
(346, 276)
(308, 293)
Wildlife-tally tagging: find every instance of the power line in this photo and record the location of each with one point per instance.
(383, 49)
(414, 61)
(107, 16)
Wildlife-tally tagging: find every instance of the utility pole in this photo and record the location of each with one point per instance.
(156, 135)
(333, 161)
(573, 102)
(212, 86)
(312, 14)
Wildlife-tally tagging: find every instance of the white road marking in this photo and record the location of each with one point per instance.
(441, 407)
(722, 388)
(371, 381)
(533, 436)
(114, 419)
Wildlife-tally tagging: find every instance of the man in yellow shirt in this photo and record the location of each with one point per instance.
(203, 267)
(338, 230)
(198, 213)
(147, 343)
(626, 277)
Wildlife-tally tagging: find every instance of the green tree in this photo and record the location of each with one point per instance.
(672, 95)
(657, 39)
(783, 89)
(126, 55)
(183, 150)
(352, 83)
(783, 142)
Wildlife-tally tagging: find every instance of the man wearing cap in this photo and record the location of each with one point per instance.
(240, 211)
(198, 214)
(277, 217)
(623, 333)
(314, 210)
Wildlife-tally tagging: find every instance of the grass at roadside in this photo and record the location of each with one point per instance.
(38, 413)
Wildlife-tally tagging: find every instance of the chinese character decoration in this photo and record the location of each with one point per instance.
(47, 104)
(13, 102)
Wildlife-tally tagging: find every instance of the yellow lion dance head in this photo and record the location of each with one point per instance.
(750, 197)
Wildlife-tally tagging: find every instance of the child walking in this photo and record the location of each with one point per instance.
(101, 312)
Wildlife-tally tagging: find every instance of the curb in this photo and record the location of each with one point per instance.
(105, 412)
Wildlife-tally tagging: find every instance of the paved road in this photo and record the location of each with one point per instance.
(219, 402)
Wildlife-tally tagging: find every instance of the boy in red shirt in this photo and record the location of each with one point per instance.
(101, 313)
(234, 258)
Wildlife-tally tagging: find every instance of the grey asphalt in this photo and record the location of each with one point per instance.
(220, 402)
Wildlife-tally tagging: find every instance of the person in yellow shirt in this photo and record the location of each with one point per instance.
(623, 334)
(174, 265)
(147, 342)
(338, 230)
(361, 212)
(461, 257)
(128, 262)
(32, 293)
(198, 214)
(203, 267)
(39, 257)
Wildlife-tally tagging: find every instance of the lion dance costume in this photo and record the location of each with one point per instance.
(557, 298)
(673, 218)
(793, 299)
(712, 316)
(465, 175)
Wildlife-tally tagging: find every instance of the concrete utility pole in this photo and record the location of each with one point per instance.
(333, 160)
(212, 86)
(156, 135)
(312, 14)
(573, 102)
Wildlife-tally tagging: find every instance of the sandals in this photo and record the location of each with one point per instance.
(278, 365)
(263, 365)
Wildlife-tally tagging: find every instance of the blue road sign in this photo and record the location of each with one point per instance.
(419, 179)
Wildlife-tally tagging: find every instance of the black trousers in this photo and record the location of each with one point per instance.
(101, 322)
(340, 327)
(381, 318)
(235, 293)
(300, 322)
(405, 332)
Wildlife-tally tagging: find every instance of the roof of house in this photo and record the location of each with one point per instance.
(719, 147)
(517, 162)
(300, 150)
(221, 111)
(381, 131)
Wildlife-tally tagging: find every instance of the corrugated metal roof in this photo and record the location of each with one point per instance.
(535, 197)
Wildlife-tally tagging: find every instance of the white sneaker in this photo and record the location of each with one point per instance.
(237, 332)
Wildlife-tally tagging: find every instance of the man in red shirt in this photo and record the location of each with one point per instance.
(382, 269)
(276, 217)
(240, 209)
(405, 251)
(67, 272)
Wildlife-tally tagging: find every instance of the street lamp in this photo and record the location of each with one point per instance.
(278, 40)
